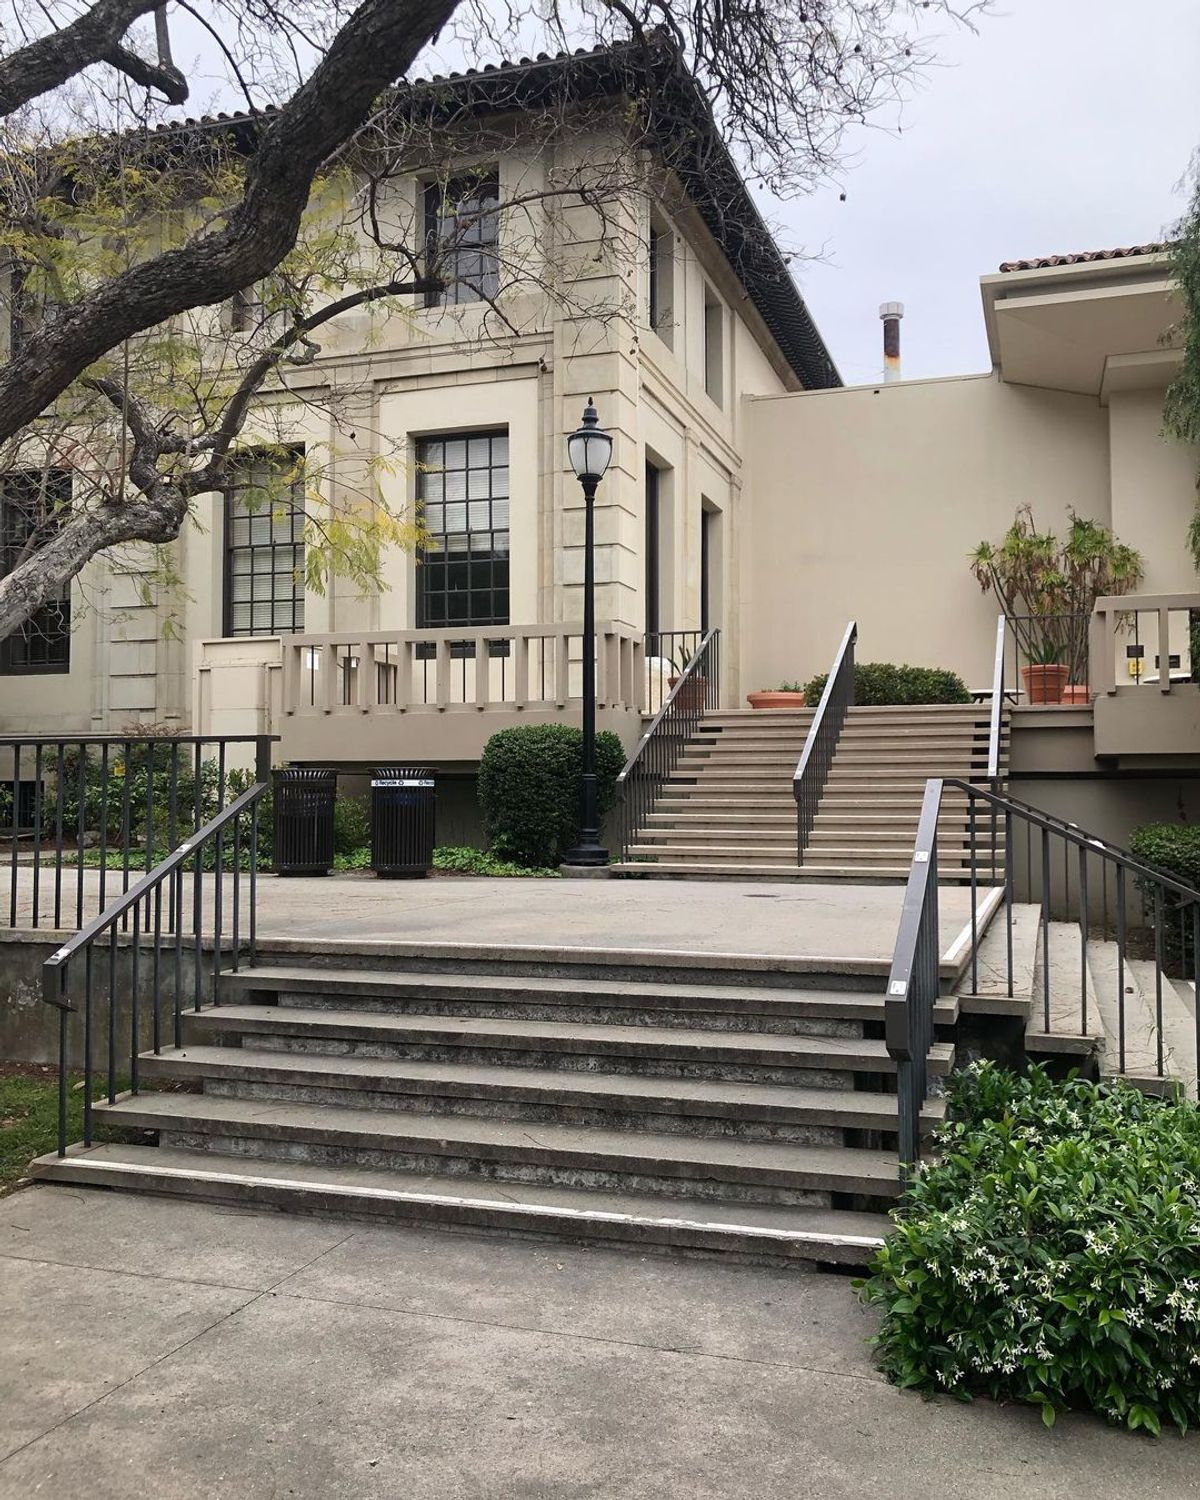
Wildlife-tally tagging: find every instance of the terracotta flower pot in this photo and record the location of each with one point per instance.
(1045, 683)
(1076, 692)
(693, 692)
(775, 698)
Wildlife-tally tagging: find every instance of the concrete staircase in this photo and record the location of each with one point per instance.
(729, 810)
(650, 1100)
(1065, 1042)
(1111, 992)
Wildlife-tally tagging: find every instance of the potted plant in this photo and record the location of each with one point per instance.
(786, 695)
(1045, 673)
(1048, 589)
(694, 689)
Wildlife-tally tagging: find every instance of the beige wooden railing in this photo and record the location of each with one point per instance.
(458, 670)
(1141, 641)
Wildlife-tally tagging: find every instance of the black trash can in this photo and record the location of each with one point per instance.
(304, 821)
(403, 800)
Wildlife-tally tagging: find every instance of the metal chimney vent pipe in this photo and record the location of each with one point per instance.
(891, 313)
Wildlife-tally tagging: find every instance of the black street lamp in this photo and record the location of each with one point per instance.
(590, 449)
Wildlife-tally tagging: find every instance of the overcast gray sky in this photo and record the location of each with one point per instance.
(1062, 125)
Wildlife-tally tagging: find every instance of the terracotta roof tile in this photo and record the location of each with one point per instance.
(1048, 262)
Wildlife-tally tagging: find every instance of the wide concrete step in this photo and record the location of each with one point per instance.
(892, 855)
(892, 713)
(757, 778)
(867, 736)
(882, 780)
(767, 841)
(687, 817)
(918, 732)
(819, 867)
(677, 1105)
(886, 788)
(751, 798)
(699, 1005)
(794, 1235)
(507, 1150)
(868, 817)
(679, 849)
(781, 858)
(727, 718)
(662, 868)
(945, 762)
(662, 1051)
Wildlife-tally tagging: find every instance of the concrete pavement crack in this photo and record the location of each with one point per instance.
(177, 1348)
(592, 1338)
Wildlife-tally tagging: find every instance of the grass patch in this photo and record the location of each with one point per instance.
(29, 1118)
(29, 1114)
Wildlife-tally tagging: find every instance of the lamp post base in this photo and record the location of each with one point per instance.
(588, 854)
(585, 872)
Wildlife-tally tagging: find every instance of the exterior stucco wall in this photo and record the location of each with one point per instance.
(865, 503)
(1153, 489)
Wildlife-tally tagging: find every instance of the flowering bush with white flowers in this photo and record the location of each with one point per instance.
(1051, 1253)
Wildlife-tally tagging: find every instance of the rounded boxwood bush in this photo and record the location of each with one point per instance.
(529, 789)
(879, 684)
(1052, 1253)
(1173, 848)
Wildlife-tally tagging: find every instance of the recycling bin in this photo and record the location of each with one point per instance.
(403, 801)
(303, 822)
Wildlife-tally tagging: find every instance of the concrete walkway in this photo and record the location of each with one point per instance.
(746, 917)
(192, 1353)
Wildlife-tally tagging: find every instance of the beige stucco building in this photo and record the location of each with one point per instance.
(670, 307)
(748, 491)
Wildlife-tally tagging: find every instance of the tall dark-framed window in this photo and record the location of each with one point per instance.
(462, 232)
(462, 486)
(652, 528)
(264, 544)
(33, 505)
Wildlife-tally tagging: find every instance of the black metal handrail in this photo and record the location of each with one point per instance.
(812, 770)
(164, 937)
(996, 723)
(125, 798)
(697, 692)
(914, 980)
(676, 648)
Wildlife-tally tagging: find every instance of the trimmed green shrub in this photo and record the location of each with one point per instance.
(1173, 848)
(529, 789)
(1052, 1254)
(878, 684)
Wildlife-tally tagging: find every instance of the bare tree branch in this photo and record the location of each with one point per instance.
(169, 81)
(50, 61)
(376, 44)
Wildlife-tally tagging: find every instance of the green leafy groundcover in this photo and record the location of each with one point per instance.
(1052, 1253)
